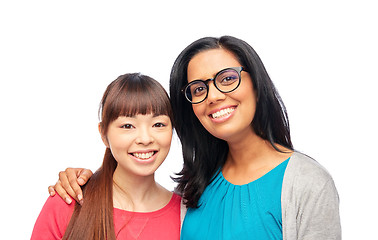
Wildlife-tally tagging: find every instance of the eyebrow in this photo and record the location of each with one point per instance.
(212, 77)
(154, 115)
(207, 78)
(158, 115)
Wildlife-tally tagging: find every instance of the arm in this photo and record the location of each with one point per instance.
(69, 184)
(318, 217)
(310, 202)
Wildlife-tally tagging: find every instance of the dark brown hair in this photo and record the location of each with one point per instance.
(128, 95)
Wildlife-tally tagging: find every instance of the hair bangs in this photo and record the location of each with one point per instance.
(141, 98)
(133, 94)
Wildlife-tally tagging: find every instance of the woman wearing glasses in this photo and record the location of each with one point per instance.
(242, 178)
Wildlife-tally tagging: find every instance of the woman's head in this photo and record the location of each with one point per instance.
(204, 142)
(136, 123)
(230, 100)
(203, 59)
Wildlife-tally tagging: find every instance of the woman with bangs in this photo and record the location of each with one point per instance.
(122, 199)
(242, 177)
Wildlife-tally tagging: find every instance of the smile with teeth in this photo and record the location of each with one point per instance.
(222, 112)
(143, 155)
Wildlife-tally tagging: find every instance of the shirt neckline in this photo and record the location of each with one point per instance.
(158, 212)
(258, 179)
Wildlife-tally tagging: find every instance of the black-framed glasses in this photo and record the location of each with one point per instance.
(226, 80)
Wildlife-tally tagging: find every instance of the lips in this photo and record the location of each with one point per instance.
(222, 113)
(143, 155)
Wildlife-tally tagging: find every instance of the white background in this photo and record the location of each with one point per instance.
(56, 58)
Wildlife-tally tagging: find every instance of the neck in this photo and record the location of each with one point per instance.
(250, 158)
(247, 150)
(137, 193)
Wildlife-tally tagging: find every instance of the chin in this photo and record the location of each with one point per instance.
(221, 135)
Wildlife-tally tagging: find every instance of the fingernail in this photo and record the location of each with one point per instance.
(68, 200)
(80, 181)
(52, 194)
(81, 202)
(80, 197)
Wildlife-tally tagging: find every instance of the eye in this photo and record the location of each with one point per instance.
(127, 126)
(197, 88)
(199, 91)
(159, 125)
(229, 79)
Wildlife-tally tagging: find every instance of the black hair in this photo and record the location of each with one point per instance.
(203, 153)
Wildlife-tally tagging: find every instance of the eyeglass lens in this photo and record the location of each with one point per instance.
(225, 81)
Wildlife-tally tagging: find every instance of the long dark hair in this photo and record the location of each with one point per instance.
(203, 153)
(128, 95)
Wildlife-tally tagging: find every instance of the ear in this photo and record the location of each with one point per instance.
(103, 137)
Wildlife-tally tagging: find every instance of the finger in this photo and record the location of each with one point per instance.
(51, 191)
(66, 185)
(83, 176)
(62, 192)
(72, 175)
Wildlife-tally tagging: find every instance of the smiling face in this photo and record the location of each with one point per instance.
(227, 116)
(139, 143)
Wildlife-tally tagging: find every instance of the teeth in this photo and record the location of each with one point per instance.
(143, 155)
(222, 112)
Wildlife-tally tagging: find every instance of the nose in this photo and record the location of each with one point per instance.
(144, 137)
(214, 95)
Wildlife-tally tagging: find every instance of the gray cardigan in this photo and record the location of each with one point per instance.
(309, 202)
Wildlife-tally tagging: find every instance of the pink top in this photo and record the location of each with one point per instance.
(161, 224)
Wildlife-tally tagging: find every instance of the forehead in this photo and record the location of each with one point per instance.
(142, 118)
(206, 64)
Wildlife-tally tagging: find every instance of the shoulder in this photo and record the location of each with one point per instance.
(309, 201)
(57, 209)
(57, 204)
(305, 175)
(178, 206)
(53, 219)
(304, 168)
(176, 200)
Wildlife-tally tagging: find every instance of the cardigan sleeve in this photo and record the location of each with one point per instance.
(310, 202)
(53, 219)
(318, 216)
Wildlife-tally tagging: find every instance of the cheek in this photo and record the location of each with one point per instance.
(168, 139)
(247, 94)
(199, 111)
(164, 139)
(117, 141)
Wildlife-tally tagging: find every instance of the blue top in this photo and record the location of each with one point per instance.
(228, 211)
